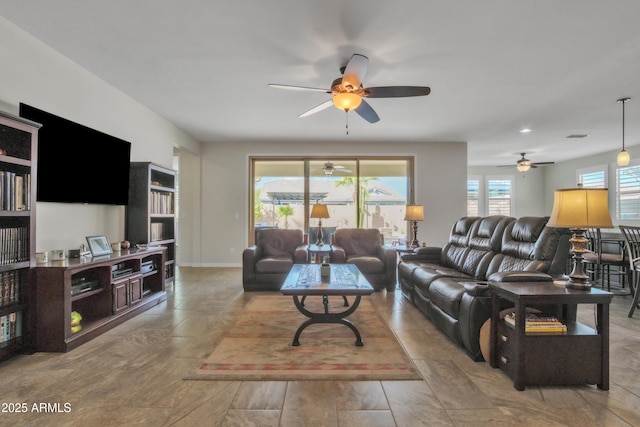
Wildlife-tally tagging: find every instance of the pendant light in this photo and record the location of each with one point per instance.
(623, 155)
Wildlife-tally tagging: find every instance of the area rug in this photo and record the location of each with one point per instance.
(258, 346)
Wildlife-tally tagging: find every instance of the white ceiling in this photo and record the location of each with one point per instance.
(494, 67)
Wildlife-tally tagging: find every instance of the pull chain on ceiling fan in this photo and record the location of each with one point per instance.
(348, 93)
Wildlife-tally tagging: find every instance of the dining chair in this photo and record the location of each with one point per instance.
(605, 254)
(632, 240)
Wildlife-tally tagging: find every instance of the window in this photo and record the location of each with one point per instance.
(495, 197)
(628, 192)
(499, 195)
(594, 177)
(359, 193)
(473, 196)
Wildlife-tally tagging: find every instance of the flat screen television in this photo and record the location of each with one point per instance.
(77, 164)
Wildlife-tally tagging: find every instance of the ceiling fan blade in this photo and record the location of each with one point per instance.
(543, 163)
(317, 108)
(396, 91)
(355, 71)
(302, 88)
(366, 112)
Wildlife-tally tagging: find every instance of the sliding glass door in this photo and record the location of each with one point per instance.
(359, 193)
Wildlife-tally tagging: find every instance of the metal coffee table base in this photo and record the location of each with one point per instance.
(326, 317)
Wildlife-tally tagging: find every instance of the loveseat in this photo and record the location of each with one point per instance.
(449, 285)
(364, 248)
(266, 264)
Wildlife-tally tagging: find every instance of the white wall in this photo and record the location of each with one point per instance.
(33, 73)
(440, 170)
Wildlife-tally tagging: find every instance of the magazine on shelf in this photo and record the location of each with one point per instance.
(537, 323)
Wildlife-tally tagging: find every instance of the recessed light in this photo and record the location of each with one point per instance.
(525, 130)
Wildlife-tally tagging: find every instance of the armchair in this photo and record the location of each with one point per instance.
(266, 264)
(364, 248)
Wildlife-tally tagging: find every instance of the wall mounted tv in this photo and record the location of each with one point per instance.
(77, 164)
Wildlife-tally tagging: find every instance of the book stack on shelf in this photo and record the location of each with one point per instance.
(15, 191)
(10, 323)
(157, 231)
(161, 203)
(538, 323)
(14, 245)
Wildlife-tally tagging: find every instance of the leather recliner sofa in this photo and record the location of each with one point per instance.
(449, 285)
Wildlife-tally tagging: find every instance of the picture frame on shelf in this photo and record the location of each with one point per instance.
(99, 245)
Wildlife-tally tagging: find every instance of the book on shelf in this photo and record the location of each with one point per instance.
(537, 323)
(15, 190)
(10, 327)
(9, 288)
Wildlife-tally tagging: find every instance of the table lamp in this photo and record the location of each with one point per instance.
(319, 211)
(578, 209)
(414, 213)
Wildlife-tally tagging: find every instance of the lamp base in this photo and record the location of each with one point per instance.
(577, 278)
(319, 243)
(578, 284)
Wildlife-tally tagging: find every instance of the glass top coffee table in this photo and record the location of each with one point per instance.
(344, 280)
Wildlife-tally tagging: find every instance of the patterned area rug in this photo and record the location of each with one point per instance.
(258, 346)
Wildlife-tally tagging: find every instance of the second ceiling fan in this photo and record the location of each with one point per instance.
(524, 164)
(348, 92)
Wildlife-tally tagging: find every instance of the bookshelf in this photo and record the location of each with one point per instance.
(151, 213)
(105, 291)
(18, 160)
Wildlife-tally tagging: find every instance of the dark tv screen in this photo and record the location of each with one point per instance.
(77, 164)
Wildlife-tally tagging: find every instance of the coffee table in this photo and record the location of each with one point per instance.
(345, 280)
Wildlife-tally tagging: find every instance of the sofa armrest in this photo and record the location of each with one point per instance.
(249, 257)
(338, 255)
(301, 254)
(429, 254)
(520, 276)
(477, 289)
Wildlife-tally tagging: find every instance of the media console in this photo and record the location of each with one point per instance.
(105, 291)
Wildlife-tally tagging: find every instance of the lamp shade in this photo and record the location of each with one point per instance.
(581, 208)
(414, 213)
(347, 101)
(319, 211)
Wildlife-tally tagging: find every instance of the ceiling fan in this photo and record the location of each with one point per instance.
(329, 168)
(524, 164)
(348, 93)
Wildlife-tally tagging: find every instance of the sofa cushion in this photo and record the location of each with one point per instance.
(279, 243)
(446, 293)
(367, 264)
(274, 265)
(358, 241)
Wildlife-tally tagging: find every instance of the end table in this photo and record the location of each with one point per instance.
(581, 356)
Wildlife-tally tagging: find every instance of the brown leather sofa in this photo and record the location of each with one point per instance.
(364, 248)
(449, 285)
(266, 264)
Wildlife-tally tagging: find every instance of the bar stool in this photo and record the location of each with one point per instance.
(632, 240)
(601, 261)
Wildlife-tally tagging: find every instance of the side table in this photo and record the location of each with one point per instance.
(581, 356)
(317, 252)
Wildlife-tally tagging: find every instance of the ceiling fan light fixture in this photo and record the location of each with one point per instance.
(347, 101)
(523, 166)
